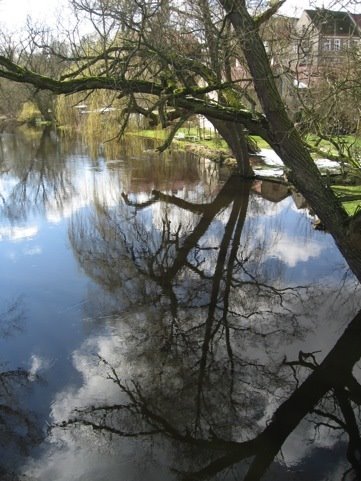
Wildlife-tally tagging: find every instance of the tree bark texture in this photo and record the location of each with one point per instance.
(284, 138)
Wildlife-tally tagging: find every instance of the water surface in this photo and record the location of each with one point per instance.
(155, 312)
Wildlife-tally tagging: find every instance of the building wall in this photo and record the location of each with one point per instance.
(325, 50)
(307, 49)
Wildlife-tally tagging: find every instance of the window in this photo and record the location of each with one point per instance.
(336, 44)
(327, 44)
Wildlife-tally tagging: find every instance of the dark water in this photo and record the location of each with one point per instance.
(155, 312)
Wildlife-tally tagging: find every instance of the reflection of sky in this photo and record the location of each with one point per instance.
(304, 252)
(285, 233)
(15, 233)
(87, 456)
(38, 263)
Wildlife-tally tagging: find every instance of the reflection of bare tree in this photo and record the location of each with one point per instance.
(40, 170)
(206, 302)
(12, 317)
(330, 392)
(18, 427)
(338, 410)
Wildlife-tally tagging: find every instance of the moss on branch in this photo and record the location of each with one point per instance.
(187, 99)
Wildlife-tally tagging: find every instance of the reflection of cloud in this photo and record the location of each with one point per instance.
(291, 252)
(75, 457)
(15, 233)
(322, 438)
(55, 217)
(295, 450)
(287, 248)
(63, 466)
(37, 364)
(102, 186)
(82, 454)
(32, 251)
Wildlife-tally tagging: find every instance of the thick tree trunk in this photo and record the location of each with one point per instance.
(233, 134)
(285, 140)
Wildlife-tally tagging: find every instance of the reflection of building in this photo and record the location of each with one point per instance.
(299, 200)
(149, 171)
(271, 191)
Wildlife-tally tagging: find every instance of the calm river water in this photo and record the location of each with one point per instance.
(155, 312)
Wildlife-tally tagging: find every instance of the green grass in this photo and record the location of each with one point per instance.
(261, 144)
(161, 134)
(351, 207)
(152, 134)
(349, 190)
(214, 143)
(343, 141)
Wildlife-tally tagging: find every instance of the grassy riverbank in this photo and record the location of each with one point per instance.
(195, 136)
(210, 139)
(201, 142)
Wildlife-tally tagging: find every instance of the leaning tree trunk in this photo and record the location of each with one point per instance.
(284, 138)
(233, 134)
